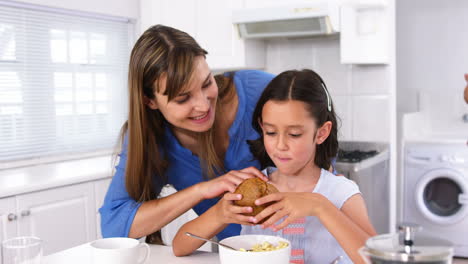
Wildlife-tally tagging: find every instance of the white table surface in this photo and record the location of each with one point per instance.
(159, 254)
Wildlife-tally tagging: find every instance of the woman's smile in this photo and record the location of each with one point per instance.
(200, 119)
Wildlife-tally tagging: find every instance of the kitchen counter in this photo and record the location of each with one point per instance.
(45, 176)
(159, 254)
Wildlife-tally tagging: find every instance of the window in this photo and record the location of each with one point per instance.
(63, 79)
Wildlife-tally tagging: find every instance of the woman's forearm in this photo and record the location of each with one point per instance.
(348, 234)
(155, 214)
(206, 226)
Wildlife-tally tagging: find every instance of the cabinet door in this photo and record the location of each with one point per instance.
(100, 190)
(210, 23)
(8, 219)
(219, 36)
(178, 14)
(63, 217)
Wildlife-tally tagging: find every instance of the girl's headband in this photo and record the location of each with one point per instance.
(328, 98)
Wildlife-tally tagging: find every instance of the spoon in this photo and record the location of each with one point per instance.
(209, 240)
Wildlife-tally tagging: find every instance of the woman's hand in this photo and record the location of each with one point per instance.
(228, 213)
(292, 206)
(228, 182)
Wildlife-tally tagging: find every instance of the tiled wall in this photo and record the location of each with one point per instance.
(360, 93)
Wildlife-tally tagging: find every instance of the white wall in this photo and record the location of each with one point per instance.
(361, 94)
(432, 55)
(123, 8)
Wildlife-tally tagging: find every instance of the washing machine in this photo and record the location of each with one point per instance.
(435, 195)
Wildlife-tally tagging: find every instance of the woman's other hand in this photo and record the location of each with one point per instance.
(228, 182)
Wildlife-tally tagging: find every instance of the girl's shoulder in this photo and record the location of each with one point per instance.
(337, 189)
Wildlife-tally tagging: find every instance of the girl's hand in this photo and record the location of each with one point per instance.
(292, 206)
(228, 213)
(227, 182)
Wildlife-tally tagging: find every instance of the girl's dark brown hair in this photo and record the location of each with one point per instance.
(308, 87)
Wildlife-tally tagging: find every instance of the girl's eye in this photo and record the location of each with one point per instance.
(295, 135)
(270, 133)
(181, 99)
(207, 84)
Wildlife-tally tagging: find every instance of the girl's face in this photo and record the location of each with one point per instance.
(194, 108)
(290, 135)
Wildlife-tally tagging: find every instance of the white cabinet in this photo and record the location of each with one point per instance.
(100, 190)
(62, 217)
(210, 23)
(364, 37)
(8, 218)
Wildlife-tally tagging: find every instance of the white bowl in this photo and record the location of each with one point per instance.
(228, 256)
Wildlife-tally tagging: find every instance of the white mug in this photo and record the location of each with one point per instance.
(119, 250)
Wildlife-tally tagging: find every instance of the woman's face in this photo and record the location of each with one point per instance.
(289, 135)
(194, 108)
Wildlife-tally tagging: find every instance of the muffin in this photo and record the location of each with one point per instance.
(252, 189)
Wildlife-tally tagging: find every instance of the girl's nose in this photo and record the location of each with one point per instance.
(282, 143)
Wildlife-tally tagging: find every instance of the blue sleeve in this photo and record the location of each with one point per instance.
(119, 208)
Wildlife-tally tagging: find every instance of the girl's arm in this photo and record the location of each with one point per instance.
(350, 226)
(207, 225)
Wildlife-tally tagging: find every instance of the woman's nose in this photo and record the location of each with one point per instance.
(202, 101)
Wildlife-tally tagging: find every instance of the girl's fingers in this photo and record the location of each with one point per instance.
(267, 211)
(274, 218)
(284, 224)
(269, 198)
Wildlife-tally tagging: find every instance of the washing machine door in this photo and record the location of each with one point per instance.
(442, 196)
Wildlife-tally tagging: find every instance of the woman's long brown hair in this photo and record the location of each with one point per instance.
(163, 50)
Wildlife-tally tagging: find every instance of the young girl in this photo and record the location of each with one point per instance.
(323, 215)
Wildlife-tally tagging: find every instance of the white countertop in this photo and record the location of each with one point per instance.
(159, 254)
(44, 176)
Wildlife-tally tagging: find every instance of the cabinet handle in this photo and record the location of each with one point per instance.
(11, 217)
(25, 213)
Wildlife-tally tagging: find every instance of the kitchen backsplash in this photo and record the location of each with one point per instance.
(361, 94)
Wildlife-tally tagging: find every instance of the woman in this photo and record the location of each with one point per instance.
(182, 129)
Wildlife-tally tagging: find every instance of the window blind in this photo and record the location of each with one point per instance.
(63, 79)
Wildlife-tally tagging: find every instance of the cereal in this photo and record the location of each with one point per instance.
(266, 246)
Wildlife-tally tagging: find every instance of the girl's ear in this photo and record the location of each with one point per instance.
(151, 103)
(323, 132)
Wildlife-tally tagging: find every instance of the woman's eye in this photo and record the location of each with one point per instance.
(270, 133)
(207, 84)
(181, 99)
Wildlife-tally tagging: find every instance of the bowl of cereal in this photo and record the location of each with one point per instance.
(258, 249)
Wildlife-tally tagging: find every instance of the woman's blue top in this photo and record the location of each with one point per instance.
(184, 170)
